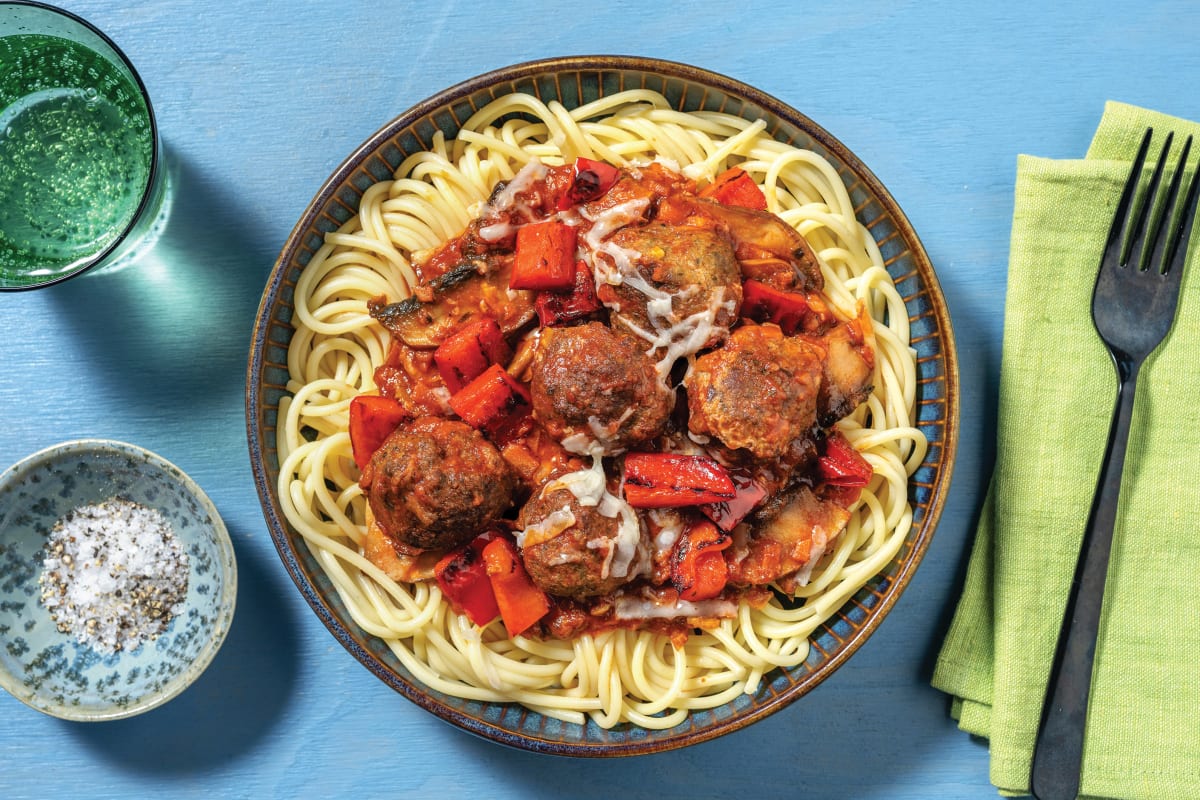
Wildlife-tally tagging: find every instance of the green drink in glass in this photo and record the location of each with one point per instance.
(80, 178)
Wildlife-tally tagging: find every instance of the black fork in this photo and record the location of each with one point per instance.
(1133, 306)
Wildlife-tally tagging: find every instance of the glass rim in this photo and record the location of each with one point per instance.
(152, 176)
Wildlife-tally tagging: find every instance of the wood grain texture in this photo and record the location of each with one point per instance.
(258, 103)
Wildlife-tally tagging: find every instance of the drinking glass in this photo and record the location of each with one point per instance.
(81, 176)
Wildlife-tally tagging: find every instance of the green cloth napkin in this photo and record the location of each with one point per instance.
(1057, 390)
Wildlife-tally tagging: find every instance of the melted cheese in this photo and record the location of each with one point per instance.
(819, 542)
(442, 395)
(507, 198)
(606, 545)
(565, 556)
(497, 231)
(687, 336)
(578, 443)
(628, 607)
(555, 523)
(679, 337)
(670, 526)
(691, 334)
(588, 485)
(602, 435)
(590, 488)
(606, 222)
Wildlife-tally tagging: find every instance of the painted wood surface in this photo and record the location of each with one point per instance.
(258, 103)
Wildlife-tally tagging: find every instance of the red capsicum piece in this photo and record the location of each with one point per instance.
(494, 402)
(591, 180)
(698, 569)
(544, 257)
(734, 187)
(466, 353)
(462, 576)
(669, 480)
(842, 465)
(728, 514)
(559, 308)
(520, 601)
(764, 303)
(372, 419)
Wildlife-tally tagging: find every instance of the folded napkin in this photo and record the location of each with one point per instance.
(1057, 390)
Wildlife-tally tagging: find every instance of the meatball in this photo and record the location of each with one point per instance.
(435, 483)
(590, 384)
(758, 391)
(675, 272)
(573, 550)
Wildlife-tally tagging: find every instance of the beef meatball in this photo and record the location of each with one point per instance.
(435, 483)
(590, 384)
(758, 391)
(674, 272)
(573, 550)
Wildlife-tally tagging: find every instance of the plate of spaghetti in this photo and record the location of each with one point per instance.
(602, 405)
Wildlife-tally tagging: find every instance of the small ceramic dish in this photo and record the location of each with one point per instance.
(80, 676)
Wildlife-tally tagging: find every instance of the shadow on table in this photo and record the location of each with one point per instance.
(171, 331)
(979, 372)
(175, 320)
(236, 702)
(849, 738)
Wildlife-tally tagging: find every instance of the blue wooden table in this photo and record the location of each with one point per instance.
(258, 103)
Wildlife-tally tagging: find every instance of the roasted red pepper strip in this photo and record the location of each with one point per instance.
(463, 578)
(591, 180)
(698, 569)
(843, 496)
(558, 308)
(545, 256)
(764, 303)
(372, 419)
(494, 402)
(842, 465)
(734, 187)
(469, 350)
(520, 601)
(728, 514)
(668, 480)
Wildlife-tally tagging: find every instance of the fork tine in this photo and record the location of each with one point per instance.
(1177, 251)
(1163, 237)
(1112, 248)
(1134, 252)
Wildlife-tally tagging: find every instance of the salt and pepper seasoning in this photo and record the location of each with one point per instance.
(113, 575)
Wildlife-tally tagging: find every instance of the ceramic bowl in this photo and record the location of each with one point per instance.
(575, 81)
(53, 671)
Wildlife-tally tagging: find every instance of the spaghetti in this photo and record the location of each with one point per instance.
(614, 676)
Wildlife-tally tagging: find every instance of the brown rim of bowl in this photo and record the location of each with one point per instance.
(947, 445)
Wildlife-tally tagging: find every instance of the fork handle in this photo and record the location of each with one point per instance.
(1058, 751)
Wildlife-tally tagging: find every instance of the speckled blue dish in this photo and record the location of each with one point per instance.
(47, 669)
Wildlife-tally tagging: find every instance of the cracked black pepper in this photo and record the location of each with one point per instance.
(113, 575)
